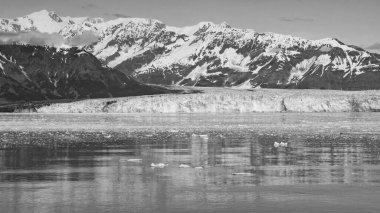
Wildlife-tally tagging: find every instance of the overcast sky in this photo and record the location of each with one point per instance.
(352, 21)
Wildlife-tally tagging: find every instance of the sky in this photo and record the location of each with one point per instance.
(351, 21)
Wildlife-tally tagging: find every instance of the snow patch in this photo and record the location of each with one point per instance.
(245, 85)
(297, 72)
(110, 50)
(189, 30)
(1, 67)
(196, 73)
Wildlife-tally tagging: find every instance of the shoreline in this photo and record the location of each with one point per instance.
(91, 130)
(54, 130)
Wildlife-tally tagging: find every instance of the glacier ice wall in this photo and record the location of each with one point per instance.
(221, 100)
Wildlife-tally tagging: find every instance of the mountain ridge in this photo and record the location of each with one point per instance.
(209, 54)
(35, 73)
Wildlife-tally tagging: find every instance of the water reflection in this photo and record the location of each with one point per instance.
(239, 171)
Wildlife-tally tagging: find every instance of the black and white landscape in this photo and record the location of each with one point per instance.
(106, 112)
(93, 58)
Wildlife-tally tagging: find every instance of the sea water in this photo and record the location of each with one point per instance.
(190, 162)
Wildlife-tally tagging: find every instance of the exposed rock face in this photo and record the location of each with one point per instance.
(210, 54)
(46, 73)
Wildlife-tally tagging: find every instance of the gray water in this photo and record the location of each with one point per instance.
(102, 163)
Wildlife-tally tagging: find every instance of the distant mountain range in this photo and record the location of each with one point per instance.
(208, 54)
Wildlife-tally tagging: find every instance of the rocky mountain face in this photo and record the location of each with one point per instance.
(210, 54)
(46, 73)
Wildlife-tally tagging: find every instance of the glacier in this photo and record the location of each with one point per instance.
(225, 100)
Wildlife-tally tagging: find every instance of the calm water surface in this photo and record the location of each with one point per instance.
(102, 163)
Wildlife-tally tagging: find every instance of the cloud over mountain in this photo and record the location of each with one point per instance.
(375, 46)
(116, 15)
(119, 15)
(50, 39)
(86, 38)
(296, 19)
(32, 37)
(88, 6)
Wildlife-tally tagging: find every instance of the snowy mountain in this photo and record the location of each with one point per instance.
(43, 21)
(32, 73)
(209, 54)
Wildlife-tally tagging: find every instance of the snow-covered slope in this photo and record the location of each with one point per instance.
(43, 21)
(209, 54)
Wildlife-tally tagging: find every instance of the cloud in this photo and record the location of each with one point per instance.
(88, 6)
(86, 38)
(375, 46)
(53, 39)
(296, 19)
(117, 15)
(33, 38)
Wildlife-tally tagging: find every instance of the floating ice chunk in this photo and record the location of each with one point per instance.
(134, 160)
(242, 173)
(106, 135)
(221, 136)
(184, 166)
(281, 144)
(201, 136)
(198, 167)
(204, 136)
(158, 165)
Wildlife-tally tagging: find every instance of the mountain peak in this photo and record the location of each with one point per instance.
(41, 13)
(142, 21)
(43, 21)
(225, 25)
(45, 14)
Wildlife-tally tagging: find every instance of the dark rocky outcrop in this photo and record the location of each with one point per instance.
(34, 73)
